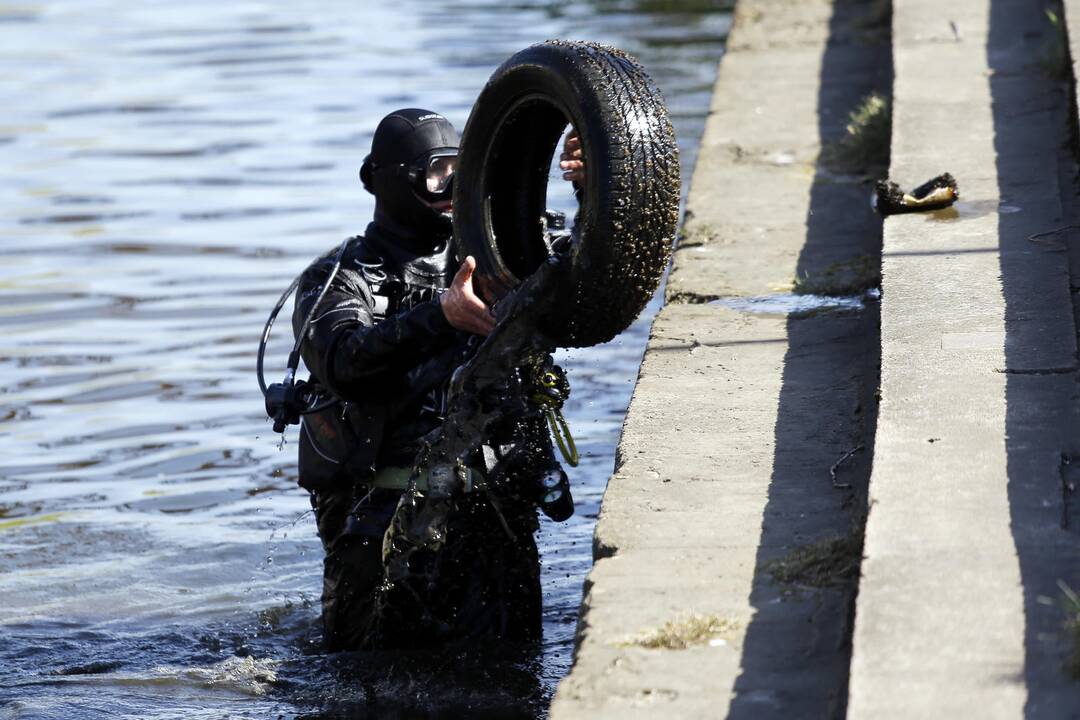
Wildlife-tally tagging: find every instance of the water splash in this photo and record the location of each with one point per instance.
(795, 304)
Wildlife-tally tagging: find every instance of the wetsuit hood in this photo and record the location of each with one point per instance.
(407, 139)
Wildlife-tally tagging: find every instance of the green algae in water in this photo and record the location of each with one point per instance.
(29, 520)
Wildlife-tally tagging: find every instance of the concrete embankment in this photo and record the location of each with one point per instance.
(731, 576)
(731, 524)
(968, 531)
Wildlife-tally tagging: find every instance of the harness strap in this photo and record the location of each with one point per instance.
(397, 478)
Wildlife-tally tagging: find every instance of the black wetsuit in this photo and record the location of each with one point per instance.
(380, 343)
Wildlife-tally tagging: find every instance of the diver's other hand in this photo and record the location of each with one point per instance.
(572, 160)
(464, 310)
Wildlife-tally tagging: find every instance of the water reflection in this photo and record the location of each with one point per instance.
(170, 168)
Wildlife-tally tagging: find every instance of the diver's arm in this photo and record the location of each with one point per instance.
(368, 358)
(351, 353)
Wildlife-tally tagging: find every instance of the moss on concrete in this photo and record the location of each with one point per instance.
(865, 146)
(697, 234)
(848, 277)
(832, 562)
(1054, 55)
(1071, 604)
(877, 17)
(693, 630)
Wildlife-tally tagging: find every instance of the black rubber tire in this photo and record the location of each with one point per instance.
(630, 203)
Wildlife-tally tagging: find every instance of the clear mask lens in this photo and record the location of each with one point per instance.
(439, 171)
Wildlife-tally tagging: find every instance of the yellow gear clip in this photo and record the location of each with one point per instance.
(567, 448)
(552, 402)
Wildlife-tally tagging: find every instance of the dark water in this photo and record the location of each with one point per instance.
(168, 168)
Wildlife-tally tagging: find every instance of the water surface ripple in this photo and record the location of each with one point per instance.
(169, 168)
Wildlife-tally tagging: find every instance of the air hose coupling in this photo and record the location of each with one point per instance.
(555, 499)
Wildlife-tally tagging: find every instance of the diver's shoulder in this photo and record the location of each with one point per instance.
(348, 250)
(349, 247)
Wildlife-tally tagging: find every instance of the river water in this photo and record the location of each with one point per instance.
(168, 168)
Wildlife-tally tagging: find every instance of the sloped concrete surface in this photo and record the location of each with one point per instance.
(737, 417)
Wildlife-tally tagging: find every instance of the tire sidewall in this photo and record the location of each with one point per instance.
(629, 204)
(536, 72)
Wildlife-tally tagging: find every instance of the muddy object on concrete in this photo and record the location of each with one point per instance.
(629, 203)
(940, 192)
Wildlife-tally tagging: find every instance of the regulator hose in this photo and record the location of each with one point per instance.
(294, 355)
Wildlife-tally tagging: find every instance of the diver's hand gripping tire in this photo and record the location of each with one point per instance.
(630, 202)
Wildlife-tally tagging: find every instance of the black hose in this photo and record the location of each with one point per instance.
(294, 356)
(266, 332)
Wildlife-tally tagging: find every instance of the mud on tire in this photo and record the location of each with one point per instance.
(630, 202)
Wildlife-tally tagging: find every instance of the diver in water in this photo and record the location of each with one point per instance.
(397, 319)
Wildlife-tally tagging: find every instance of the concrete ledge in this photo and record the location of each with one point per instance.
(737, 417)
(977, 328)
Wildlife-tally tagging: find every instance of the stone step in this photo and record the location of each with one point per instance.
(964, 544)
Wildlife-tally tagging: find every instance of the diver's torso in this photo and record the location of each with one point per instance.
(399, 281)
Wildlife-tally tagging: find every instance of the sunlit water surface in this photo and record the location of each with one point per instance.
(168, 168)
